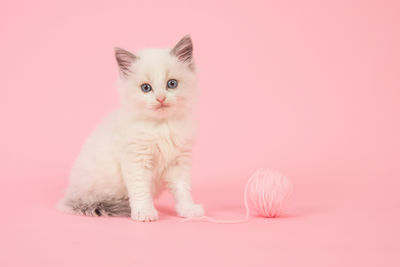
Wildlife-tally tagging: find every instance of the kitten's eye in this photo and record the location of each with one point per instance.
(172, 83)
(146, 87)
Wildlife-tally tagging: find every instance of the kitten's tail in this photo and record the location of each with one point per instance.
(106, 207)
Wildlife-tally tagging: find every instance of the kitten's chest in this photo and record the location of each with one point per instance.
(158, 145)
(169, 144)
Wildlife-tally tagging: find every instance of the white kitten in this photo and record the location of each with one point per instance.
(145, 145)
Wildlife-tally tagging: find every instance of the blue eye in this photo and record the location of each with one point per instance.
(146, 87)
(172, 83)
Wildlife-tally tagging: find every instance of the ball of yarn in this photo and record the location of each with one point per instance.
(268, 191)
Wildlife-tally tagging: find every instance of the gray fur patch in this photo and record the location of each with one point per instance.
(107, 207)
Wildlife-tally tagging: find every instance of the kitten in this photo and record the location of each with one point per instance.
(145, 145)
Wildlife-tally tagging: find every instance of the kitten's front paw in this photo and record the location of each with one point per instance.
(190, 210)
(144, 214)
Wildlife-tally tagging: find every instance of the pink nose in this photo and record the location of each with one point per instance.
(161, 99)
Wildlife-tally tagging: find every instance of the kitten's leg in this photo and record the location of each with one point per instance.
(179, 184)
(137, 174)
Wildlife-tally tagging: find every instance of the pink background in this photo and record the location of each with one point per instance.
(309, 88)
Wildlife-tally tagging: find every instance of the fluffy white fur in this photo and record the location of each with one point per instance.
(143, 146)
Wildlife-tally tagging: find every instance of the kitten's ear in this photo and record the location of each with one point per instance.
(183, 50)
(124, 59)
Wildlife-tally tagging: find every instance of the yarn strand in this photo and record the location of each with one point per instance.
(246, 205)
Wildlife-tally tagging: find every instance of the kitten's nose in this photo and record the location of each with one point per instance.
(161, 99)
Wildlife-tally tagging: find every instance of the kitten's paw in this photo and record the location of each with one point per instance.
(144, 214)
(190, 210)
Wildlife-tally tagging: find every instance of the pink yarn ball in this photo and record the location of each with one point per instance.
(269, 191)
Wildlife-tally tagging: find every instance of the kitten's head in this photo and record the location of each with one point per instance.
(158, 83)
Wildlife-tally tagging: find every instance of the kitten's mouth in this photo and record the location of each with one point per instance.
(162, 107)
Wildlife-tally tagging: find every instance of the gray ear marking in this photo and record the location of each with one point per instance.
(124, 59)
(183, 50)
